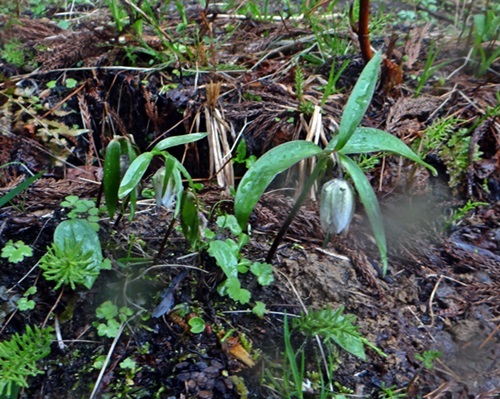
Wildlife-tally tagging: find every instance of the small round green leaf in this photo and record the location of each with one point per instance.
(197, 325)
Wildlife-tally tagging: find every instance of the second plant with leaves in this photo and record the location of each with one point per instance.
(351, 139)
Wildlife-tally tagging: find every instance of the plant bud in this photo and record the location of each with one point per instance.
(336, 206)
(165, 188)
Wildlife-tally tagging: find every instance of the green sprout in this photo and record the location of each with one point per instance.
(428, 358)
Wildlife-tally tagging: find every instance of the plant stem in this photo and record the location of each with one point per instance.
(165, 239)
(322, 159)
(363, 31)
(326, 240)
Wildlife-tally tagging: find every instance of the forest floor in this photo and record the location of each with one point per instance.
(230, 73)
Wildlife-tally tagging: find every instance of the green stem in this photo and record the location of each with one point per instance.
(322, 160)
(326, 240)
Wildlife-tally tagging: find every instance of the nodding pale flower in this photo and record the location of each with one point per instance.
(336, 206)
(165, 193)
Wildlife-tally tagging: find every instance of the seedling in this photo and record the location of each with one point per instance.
(305, 106)
(112, 318)
(14, 54)
(296, 381)
(259, 309)
(390, 392)
(428, 358)
(134, 174)
(24, 304)
(15, 252)
(334, 327)
(82, 209)
(196, 324)
(228, 256)
(241, 155)
(486, 33)
(429, 68)
(70, 83)
(460, 213)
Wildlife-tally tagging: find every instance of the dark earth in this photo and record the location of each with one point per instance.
(442, 289)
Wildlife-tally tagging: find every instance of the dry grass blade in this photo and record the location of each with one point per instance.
(314, 133)
(218, 130)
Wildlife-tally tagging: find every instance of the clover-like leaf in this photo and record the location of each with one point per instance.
(259, 309)
(263, 271)
(15, 252)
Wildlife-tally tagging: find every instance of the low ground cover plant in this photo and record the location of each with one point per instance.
(19, 356)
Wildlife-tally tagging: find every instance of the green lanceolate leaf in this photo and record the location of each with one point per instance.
(112, 175)
(129, 148)
(19, 188)
(366, 139)
(370, 202)
(351, 343)
(264, 170)
(178, 140)
(358, 103)
(134, 174)
(190, 221)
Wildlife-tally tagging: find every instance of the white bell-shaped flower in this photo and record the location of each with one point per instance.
(337, 205)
